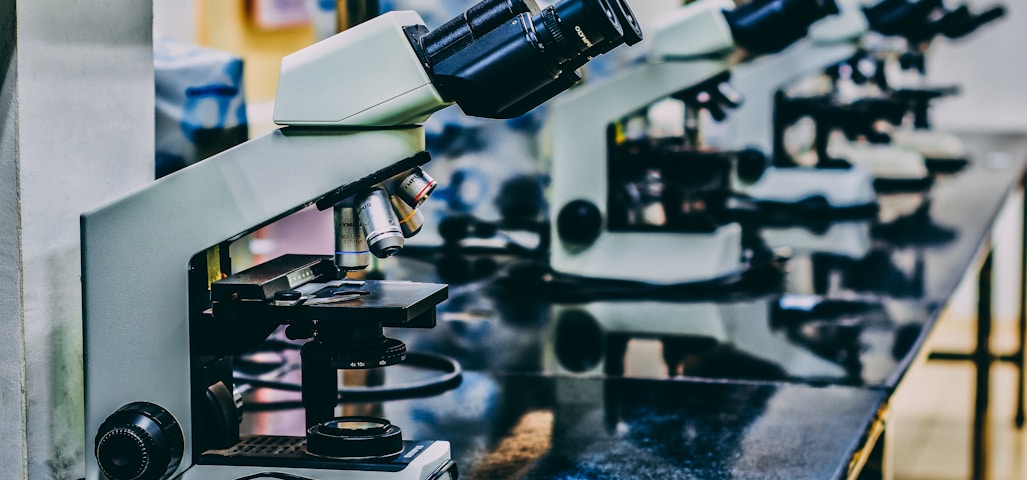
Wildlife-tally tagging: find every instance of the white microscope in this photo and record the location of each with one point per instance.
(892, 65)
(787, 187)
(164, 315)
(592, 236)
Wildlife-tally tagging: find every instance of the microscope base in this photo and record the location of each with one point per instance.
(636, 256)
(811, 189)
(419, 461)
(943, 152)
(894, 169)
(847, 239)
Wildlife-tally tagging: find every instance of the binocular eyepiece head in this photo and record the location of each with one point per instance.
(769, 26)
(923, 20)
(502, 58)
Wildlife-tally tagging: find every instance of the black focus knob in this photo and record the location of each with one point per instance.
(140, 441)
(579, 222)
(751, 163)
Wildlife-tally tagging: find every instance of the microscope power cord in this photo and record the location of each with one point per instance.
(274, 475)
(450, 379)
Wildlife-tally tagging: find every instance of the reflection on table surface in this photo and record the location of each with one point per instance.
(901, 266)
(532, 427)
(787, 379)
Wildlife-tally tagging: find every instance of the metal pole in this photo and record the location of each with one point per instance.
(982, 365)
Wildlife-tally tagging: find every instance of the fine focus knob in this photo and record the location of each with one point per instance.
(750, 164)
(140, 441)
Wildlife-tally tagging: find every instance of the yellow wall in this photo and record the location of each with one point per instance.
(226, 25)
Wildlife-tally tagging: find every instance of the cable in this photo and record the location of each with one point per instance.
(275, 475)
(452, 377)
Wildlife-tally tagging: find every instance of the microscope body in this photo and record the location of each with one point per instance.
(159, 378)
(901, 32)
(830, 41)
(136, 252)
(309, 93)
(581, 149)
(693, 45)
(580, 122)
(163, 319)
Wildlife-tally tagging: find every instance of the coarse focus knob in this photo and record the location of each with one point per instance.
(750, 163)
(579, 223)
(140, 441)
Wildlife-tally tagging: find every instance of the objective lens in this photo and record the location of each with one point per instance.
(351, 252)
(384, 236)
(416, 187)
(410, 219)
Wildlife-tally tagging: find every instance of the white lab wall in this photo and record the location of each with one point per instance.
(991, 68)
(12, 348)
(175, 19)
(82, 115)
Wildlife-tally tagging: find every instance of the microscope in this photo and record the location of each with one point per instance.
(856, 46)
(830, 41)
(845, 189)
(164, 313)
(599, 160)
(891, 68)
(904, 77)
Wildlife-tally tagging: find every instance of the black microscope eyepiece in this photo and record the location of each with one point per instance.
(961, 22)
(769, 26)
(502, 58)
(478, 20)
(921, 21)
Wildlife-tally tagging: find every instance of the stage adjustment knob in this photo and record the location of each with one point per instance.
(140, 441)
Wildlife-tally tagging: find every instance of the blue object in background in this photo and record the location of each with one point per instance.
(200, 106)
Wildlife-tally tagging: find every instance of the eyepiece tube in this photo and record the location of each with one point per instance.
(384, 236)
(628, 22)
(769, 26)
(473, 24)
(961, 22)
(524, 55)
(351, 252)
(632, 34)
(899, 17)
(584, 23)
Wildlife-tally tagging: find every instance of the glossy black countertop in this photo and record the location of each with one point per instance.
(541, 427)
(787, 382)
(891, 274)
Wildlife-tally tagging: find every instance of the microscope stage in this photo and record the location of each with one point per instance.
(314, 293)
